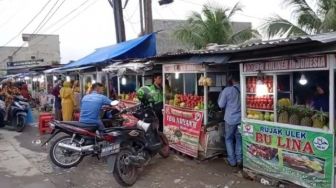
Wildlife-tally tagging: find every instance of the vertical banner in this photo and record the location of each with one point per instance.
(299, 156)
(182, 128)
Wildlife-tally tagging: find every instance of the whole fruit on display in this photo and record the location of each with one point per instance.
(261, 116)
(267, 116)
(208, 81)
(283, 117)
(319, 119)
(284, 102)
(306, 120)
(294, 117)
(271, 117)
(201, 81)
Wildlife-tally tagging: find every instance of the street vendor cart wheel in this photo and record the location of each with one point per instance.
(62, 157)
(125, 173)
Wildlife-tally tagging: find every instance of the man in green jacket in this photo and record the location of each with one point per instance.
(155, 96)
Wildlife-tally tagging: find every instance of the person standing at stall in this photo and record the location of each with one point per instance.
(24, 92)
(321, 99)
(156, 97)
(229, 100)
(57, 101)
(76, 91)
(68, 101)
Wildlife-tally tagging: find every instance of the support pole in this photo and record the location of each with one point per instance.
(118, 78)
(141, 17)
(118, 20)
(148, 16)
(205, 101)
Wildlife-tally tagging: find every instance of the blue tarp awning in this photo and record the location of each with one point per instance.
(142, 47)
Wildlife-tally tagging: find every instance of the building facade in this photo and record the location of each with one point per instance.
(166, 42)
(39, 50)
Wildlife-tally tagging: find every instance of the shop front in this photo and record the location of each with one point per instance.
(192, 118)
(288, 118)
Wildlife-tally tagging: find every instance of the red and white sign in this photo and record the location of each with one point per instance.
(315, 62)
(182, 128)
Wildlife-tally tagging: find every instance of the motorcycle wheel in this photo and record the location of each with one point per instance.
(62, 157)
(164, 152)
(21, 123)
(125, 174)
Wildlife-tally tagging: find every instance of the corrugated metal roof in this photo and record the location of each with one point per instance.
(321, 38)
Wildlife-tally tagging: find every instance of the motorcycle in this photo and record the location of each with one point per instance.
(127, 148)
(17, 113)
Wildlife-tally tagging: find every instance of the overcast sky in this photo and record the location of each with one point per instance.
(92, 25)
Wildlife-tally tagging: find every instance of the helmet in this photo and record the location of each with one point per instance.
(145, 95)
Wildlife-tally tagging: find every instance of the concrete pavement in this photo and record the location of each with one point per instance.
(23, 163)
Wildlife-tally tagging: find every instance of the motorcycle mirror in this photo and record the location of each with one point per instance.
(114, 103)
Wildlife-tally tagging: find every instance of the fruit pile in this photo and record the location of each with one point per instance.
(188, 101)
(301, 115)
(251, 83)
(264, 116)
(264, 103)
(129, 97)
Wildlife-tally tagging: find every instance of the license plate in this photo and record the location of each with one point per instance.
(110, 149)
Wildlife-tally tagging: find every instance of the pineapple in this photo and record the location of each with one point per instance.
(294, 117)
(306, 120)
(320, 119)
(283, 116)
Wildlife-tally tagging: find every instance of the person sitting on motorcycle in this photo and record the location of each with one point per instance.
(8, 91)
(91, 105)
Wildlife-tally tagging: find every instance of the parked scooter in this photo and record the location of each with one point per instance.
(17, 113)
(126, 147)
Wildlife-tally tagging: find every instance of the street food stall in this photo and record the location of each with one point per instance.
(126, 77)
(288, 118)
(192, 117)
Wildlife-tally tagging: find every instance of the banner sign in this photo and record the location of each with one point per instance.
(182, 128)
(185, 68)
(302, 157)
(25, 63)
(316, 62)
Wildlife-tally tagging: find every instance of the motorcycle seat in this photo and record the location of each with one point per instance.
(89, 127)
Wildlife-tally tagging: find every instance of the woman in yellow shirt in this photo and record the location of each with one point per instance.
(68, 101)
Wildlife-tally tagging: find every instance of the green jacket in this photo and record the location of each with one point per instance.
(156, 93)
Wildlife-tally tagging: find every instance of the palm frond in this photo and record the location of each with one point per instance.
(236, 8)
(306, 17)
(186, 35)
(329, 22)
(244, 35)
(212, 25)
(277, 26)
(323, 6)
(309, 23)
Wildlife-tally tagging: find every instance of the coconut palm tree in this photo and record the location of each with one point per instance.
(212, 26)
(307, 20)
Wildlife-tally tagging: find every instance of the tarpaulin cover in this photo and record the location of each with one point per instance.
(141, 47)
